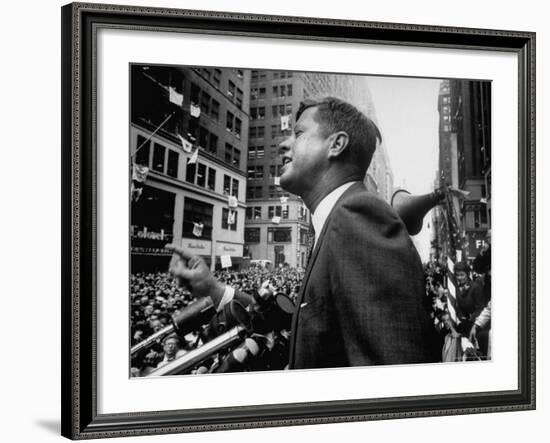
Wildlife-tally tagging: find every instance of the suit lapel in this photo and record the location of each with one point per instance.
(309, 267)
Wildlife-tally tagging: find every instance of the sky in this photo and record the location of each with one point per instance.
(406, 110)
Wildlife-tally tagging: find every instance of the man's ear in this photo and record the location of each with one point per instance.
(338, 142)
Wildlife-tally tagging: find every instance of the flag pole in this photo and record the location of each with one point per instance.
(153, 133)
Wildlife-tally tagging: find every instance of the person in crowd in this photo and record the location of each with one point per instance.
(470, 297)
(360, 302)
(172, 350)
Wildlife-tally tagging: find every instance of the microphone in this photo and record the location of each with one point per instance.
(189, 319)
(236, 359)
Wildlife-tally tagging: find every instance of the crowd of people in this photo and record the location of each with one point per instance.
(156, 297)
(462, 320)
(459, 302)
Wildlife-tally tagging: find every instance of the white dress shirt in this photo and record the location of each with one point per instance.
(325, 206)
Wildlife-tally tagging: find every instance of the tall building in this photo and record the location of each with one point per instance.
(464, 163)
(189, 127)
(277, 223)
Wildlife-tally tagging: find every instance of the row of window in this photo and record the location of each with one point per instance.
(277, 90)
(274, 235)
(259, 113)
(257, 171)
(255, 212)
(259, 131)
(165, 164)
(233, 124)
(276, 75)
(196, 173)
(208, 105)
(214, 76)
(235, 93)
(257, 192)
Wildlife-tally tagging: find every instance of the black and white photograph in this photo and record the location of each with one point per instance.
(284, 220)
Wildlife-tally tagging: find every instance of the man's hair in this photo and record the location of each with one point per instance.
(334, 114)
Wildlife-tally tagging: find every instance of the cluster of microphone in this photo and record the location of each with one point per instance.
(233, 338)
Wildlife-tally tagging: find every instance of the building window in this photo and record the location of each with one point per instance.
(173, 160)
(215, 110)
(195, 93)
(159, 153)
(230, 186)
(252, 235)
(213, 144)
(205, 103)
(274, 211)
(257, 132)
(228, 153)
(230, 88)
(226, 185)
(190, 172)
(237, 158)
(211, 179)
(254, 192)
(225, 220)
(201, 175)
(229, 121)
(254, 213)
(232, 155)
(257, 113)
(235, 188)
(216, 77)
(275, 171)
(279, 235)
(255, 171)
(238, 124)
(239, 99)
(257, 93)
(196, 211)
(276, 192)
(203, 137)
(142, 156)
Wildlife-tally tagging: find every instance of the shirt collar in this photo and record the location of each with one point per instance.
(319, 217)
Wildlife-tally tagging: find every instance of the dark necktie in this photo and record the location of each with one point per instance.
(310, 242)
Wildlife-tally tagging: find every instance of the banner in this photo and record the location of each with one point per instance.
(139, 173)
(231, 218)
(285, 122)
(232, 201)
(226, 261)
(194, 110)
(186, 146)
(276, 220)
(194, 157)
(197, 229)
(175, 97)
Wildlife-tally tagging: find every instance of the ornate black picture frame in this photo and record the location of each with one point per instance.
(80, 23)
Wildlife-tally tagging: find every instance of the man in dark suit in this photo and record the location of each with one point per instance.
(360, 302)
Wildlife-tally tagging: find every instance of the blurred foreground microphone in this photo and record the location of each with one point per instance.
(237, 358)
(412, 208)
(187, 320)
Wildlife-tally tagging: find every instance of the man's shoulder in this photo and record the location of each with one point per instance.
(358, 200)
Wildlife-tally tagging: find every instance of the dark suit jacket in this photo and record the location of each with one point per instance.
(361, 298)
